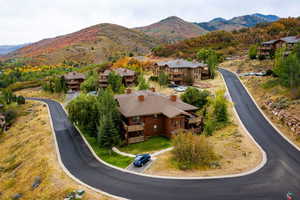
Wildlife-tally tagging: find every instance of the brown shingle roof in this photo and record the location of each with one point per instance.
(120, 71)
(74, 75)
(180, 63)
(154, 103)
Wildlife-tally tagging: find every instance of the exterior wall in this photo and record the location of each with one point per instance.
(160, 125)
(74, 84)
(179, 75)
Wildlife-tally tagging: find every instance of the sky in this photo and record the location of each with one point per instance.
(24, 21)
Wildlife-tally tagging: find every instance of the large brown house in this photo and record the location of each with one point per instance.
(267, 49)
(128, 77)
(182, 71)
(147, 113)
(73, 80)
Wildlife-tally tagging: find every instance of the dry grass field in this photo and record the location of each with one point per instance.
(28, 151)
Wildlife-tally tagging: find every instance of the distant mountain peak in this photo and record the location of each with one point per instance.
(237, 22)
(218, 19)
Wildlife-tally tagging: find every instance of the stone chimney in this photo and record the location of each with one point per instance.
(152, 89)
(141, 97)
(128, 91)
(173, 97)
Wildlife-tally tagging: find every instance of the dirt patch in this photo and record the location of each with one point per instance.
(38, 92)
(28, 151)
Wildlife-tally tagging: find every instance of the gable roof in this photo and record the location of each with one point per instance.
(74, 75)
(181, 63)
(289, 39)
(120, 71)
(153, 103)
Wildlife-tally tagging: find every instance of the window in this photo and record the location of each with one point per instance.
(155, 126)
(136, 119)
(155, 116)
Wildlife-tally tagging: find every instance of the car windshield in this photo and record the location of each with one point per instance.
(138, 157)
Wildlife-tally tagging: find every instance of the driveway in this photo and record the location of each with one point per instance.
(271, 182)
(132, 168)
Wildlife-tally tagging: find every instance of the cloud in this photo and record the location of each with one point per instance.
(32, 20)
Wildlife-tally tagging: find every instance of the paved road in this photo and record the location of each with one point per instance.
(279, 175)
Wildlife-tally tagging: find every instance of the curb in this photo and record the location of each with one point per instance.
(62, 165)
(173, 177)
(262, 112)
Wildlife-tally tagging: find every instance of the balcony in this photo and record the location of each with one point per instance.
(133, 128)
(195, 120)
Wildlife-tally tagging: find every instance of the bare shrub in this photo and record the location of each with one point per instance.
(192, 151)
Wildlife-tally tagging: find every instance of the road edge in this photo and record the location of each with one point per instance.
(63, 166)
(262, 112)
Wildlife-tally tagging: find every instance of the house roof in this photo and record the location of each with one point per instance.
(153, 103)
(120, 71)
(270, 42)
(181, 63)
(74, 75)
(289, 39)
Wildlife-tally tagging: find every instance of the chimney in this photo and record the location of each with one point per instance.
(128, 91)
(152, 89)
(141, 98)
(173, 98)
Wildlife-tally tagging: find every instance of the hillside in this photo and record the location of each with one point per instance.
(172, 29)
(91, 45)
(237, 23)
(231, 43)
(4, 49)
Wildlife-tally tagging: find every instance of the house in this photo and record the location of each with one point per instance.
(73, 80)
(128, 77)
(182, 71)
(147, 113)
(268, 49)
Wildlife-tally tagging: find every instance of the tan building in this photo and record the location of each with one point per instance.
(128, 77)
(147, 113)
(182, 71)
(268, 49)
(73, 80)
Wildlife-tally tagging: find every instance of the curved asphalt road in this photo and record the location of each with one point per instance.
(279, 175)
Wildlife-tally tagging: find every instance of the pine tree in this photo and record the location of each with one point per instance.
(108, 135)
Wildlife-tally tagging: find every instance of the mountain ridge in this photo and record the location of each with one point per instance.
(236, 23)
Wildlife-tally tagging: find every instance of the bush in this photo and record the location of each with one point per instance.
(192, 151)
(163, 79)
(20, 100)
(195, 97)
(143, 84)
(90, 84)
(220, 108)
(153, 78)
(10, 116)
(252, 52)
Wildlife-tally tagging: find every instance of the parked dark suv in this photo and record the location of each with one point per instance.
(141, 159)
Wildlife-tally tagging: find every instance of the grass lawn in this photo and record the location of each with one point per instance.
(108, 155)
(153, 144)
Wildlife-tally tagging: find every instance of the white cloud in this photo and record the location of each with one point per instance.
(32, 20)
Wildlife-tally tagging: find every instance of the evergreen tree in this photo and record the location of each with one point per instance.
(252, 52)
(163, 79)
(115, 81)
(108, 135)
(143, 84)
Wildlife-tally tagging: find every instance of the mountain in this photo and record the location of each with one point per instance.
(172, 29)
(5, 49)
(237, 22)
(90, 45)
